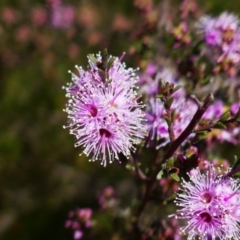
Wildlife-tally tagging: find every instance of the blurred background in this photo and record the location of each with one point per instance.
(42, 176)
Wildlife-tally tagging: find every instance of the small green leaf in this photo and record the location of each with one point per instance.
(175, 177)
(138, 164)
(225, 116)
(202, 135)
(170, 162)
(177, 88)
(129, 167)
(219, 125)
(235, 157)
(160, 174)
(163, 83)
(168, 120)
(173, 114)
(237, 174)
(160, 96)
(92, 58)
(110, 62)
(205, 80)
(169, 102)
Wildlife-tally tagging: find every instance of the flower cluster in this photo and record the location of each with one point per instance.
(79, 221)
(210, 203)
(103, 110)
(222, 35)
(183, 110)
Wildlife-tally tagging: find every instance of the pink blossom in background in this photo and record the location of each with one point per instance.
(23, 34)
(222, 36)
(107, 198)
(79, 221)
(9, 15)
(150, 81)
(39, 16)
(54, 3)
(214, 111)
(62, 16)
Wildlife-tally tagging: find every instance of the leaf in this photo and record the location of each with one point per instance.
(160, 96)
(173, 114)
(225, 116)
(129, 167)
(160, 174)
(110, 62)
(219, 125)
(235, 159)
(168, 120)
(169, 102)
(175, 177)
(177, 88)
(92, 58)
(170, 162)
(202, 135)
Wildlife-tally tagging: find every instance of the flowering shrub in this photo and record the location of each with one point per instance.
(115, 114)
(155, 92)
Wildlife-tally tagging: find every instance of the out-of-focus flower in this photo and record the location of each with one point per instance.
(23, 34)
(94, 38)
(235, 107)
(107, 198)
(150, 81)
(54, 3)
(183, 109)
(181, 34)
(210, 202)
(79, 220)
(188, 7)
(144, 5)
(62, 16)
(9, 15)
(222, 36)
(121, 23)
(39, 16)
(103, 111)
(157, 124)
(88, 16)
(213, 113)
(73, 51)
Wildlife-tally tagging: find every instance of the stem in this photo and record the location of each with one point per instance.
(170, 127)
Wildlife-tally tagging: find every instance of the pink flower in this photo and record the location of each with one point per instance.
(103, 111)
(210, 203)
